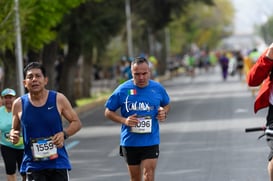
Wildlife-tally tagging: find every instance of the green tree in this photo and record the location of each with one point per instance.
(7, 38)
(42, 29)
(202, 25)
(6, 25)
(39, 20)
(152, 17)
(266, 29)
(88, 27)
(82, 27)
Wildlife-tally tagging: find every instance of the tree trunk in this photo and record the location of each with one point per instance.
(34, 56)
(70, 72)
(87, 74)
(10, 71)
(49, 57)
(160, 52)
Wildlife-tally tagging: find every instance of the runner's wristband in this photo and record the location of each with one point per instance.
(65, 135)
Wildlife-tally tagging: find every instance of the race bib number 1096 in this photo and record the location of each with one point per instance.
(144, 125)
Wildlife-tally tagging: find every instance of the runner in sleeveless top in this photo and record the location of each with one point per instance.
(143, 104)
(12, 154)
(39, 115)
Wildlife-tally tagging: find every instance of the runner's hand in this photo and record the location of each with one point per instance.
(131, 120)
(269, 53)
(58, 139)
(162, 114)
(14, 136)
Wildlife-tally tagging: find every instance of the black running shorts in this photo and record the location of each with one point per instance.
(134, 155)
(48, 174)
(12, 158)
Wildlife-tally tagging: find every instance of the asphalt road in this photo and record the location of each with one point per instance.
(203, 138)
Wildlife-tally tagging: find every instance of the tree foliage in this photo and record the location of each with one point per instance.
(93, 23)
(6, 26)
(40, 27)
(38, 20)
(203, 25)
(7, 30)
(87, 25)
(266, 29)
(151, 19)
(158, 13)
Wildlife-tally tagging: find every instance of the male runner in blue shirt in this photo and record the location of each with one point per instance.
(143, 104)
(39, 115)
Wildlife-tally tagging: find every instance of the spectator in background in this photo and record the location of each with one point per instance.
(190, 61)
(213, 59)
(249, 61)
(127, 69)
(254, 55)
(224, 61)
(239, 64)
(153, 66)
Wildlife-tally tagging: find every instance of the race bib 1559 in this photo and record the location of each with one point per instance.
(43, 149)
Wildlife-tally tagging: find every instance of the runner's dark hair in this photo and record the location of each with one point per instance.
(139, 60)
(34, 65)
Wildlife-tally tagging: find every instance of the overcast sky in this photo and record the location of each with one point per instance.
(250, 12)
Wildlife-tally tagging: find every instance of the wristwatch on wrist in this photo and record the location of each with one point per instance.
(65, 135)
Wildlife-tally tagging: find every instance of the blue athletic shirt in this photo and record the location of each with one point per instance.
(142, 101)
(41, 122)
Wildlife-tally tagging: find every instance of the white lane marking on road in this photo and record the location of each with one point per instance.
(72, 144)
(114, 152)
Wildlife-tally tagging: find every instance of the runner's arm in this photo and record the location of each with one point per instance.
(69, 114)
(129, 121)
(16, 126)
(112, 115)
(260, 70)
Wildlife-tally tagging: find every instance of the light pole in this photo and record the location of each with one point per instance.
(19, 57)
(129, 28)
